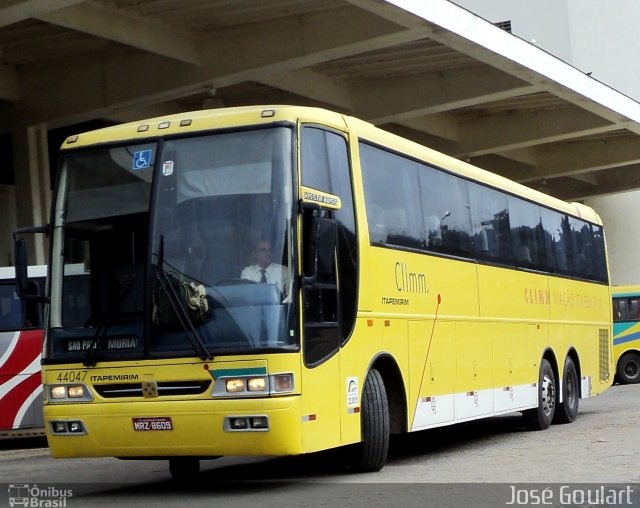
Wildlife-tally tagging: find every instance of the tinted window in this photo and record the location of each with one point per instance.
(598, 253)
(490, 222)
(581, 247)
(392, 198)
(527, 235)
(445, 212)
(453, 216)
(626, 309)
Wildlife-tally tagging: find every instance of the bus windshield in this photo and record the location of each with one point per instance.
(206, 260)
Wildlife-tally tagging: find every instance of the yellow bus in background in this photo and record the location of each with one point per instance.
(406, 290)
(626, 333)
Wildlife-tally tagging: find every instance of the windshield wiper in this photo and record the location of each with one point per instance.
(179, 308)
(182, 314)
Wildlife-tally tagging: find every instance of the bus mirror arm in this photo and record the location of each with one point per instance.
(21, 260)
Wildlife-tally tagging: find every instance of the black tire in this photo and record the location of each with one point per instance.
(540, 418)
(184, 469)
(371, 453)
(628, 370)
(567, 411)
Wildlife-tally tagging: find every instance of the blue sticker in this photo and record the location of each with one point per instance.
(141, 159)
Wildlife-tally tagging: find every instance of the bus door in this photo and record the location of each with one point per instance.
(329, 292)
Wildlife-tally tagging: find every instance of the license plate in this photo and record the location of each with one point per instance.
(149, 424)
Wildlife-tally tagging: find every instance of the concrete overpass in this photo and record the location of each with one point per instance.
(425, 69)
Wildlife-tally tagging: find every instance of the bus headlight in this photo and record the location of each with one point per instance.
(235, 385)
(253, 386)
(57, 392)
(67, 393)
(257, 384)
(75, 392)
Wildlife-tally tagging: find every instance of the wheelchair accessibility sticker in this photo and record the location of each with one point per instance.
(141, 159)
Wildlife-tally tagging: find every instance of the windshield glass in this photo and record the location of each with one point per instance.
(99, 251)
(220, 278)
(221, 255)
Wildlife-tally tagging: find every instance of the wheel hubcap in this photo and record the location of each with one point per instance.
(631, 369)
(548, 395)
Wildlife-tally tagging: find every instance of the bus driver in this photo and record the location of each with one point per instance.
(265, 271)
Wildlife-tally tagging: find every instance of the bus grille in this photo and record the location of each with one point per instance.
(605, 352)
(166, 388)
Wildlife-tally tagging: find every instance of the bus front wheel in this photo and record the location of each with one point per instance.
(567, 411)
(371, 453)
(539, 418)
(628, 371)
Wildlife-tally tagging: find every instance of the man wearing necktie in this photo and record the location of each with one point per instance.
(265, 271)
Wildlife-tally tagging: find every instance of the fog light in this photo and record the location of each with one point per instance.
(59, 427)
(239, 423)
(76, 427)
(259, 422)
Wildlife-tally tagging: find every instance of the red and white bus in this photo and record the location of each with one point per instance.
(20, 351)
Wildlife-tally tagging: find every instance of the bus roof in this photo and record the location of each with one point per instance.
(196, 121)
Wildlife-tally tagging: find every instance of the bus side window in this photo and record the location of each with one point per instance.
(32, 310)
(619, 309)
(11, 309)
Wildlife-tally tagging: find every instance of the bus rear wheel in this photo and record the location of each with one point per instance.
(540, 418)
(628, 370)
(371, 453)
(567, 411)
(184, 469)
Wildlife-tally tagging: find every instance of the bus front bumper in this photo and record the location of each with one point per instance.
(204, 428)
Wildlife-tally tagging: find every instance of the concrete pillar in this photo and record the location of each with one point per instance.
(32, 185)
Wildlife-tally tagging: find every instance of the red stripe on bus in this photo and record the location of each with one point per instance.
(13, 401)
(25, 351)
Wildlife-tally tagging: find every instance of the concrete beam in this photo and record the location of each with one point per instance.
(609, 181)
(113, 24)
(567, 159)
(511, 131)
(14, 11)
(393, 100)
(90, 88)
(314, 85)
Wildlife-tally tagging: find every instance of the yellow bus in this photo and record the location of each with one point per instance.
(626, 333)
(282, 280)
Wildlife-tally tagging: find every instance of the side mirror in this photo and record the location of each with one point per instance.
(325, 247)
(22, 264)
(319, 243)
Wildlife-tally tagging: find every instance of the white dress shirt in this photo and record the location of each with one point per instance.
(274, 273)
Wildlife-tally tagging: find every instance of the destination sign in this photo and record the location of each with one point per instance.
(104, 343)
